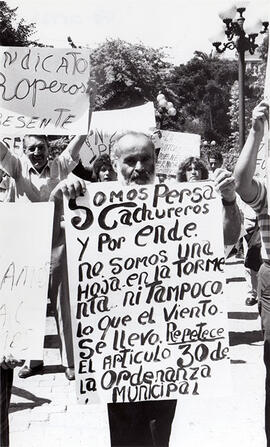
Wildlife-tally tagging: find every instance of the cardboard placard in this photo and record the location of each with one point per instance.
(25, 238)
(175, 147)
(146, 289)
(96, 144)
(43, 91)
(139, 118)
(14, 144)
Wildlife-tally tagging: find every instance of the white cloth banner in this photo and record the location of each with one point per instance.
(25, 240)
(139, 118)
(43, 91)
(146, 289)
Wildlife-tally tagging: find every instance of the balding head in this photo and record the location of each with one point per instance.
(133, 157)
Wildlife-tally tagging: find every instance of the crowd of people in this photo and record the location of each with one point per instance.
(35, 178)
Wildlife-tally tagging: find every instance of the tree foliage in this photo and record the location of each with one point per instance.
(127, 74)
(203, 87)
(131, 74)
(263, 48)
(11, 34)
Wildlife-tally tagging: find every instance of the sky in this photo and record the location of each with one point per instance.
(182, 25)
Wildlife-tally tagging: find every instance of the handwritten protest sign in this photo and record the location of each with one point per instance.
(24, 275)
(146, 285)
(261, 162)
(96, 144)
(15, 144)
(108, 125)
(43, 91)
(175, 147)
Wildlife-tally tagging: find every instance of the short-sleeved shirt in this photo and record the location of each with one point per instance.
(259, 204)
(29, 184)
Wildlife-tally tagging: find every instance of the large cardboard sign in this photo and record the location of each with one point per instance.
(43, 91)
(25, 240)
(146, 288)
(107, 126)
(139, 118)
(175, 147)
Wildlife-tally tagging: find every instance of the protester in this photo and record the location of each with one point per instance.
(215, 160)
(34, 178)
(191, 170)
(146, 423)
(149, 423)
(139, 423)
(254, 192)
(103, 169)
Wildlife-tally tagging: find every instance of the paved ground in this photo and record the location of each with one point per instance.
(44, 411)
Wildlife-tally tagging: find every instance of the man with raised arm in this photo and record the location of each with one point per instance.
(34, 175)
(254, 192)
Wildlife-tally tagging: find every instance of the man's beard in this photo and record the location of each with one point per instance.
(141, 178)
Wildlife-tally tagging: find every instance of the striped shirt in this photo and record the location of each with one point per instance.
(259, 204)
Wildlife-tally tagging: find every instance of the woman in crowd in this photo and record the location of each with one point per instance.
(192, 169)
(103, 169)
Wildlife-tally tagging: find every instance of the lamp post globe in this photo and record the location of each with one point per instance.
(242, 39)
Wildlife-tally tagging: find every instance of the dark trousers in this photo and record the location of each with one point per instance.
(6, 379)
(141, 424)
(264, 309)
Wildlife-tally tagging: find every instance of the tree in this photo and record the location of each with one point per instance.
(263, 48)
(11, 35)
(203, 89)
(127, 74)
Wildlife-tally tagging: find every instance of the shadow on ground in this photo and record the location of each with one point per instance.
(51, 341)
(243, 315)
(241, 338)
(50, 369)
(35, 400)
(237, 362)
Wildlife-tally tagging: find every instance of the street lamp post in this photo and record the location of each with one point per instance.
(240, 39)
